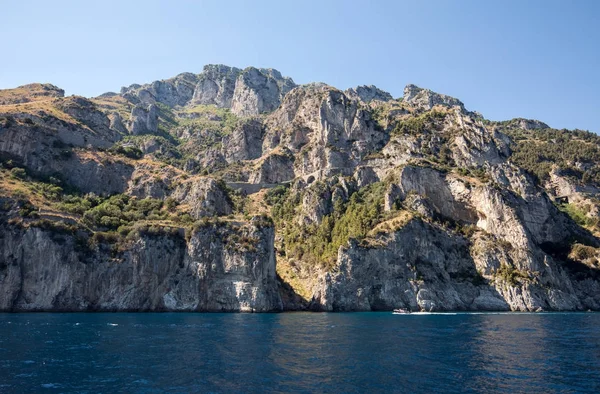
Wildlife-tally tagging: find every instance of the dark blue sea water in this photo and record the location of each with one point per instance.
(299, 352)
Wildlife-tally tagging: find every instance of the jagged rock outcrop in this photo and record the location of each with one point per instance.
(328, 132)
(174, 91)
(274, 168)
(86, 112)
(368, 93)
(144, 120)
(526, 124)
(437, 191)
(422, 267)
(216, 85)
(116, 123)
(43, 271)
(258, 91)
(245, 143)
(204, 197)
(247, 92)
(426, 99)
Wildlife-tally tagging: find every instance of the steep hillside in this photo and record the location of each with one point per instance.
(238, 190)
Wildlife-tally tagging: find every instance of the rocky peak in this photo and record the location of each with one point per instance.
(426, 99)
(174, 91)
(368, 93)
(247, 92)
(258, 91)
(30, 92)
(216, 85)
(528, 124)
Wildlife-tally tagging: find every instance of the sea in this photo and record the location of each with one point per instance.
(299, 353)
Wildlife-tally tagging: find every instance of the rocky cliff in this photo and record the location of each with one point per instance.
(238, 190)
(50, 269)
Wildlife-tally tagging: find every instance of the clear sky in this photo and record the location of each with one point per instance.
(525, 58)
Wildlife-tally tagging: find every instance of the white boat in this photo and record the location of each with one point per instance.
(401, 311)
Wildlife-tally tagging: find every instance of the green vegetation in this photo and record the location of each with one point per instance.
(579, 216)
(319, 244)
(209, 117)
(276, 196)
(120, 210)
(511, 275)
(128, 151)
(18, 173)
(537, 151)
(582, 252)
(417, 125)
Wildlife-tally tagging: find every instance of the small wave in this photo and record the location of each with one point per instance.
(112, 324)
(28, 362)
(51, 385)
(25, 375)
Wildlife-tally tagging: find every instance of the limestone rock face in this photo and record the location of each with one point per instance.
(258, 91)
(437, 191)
(157, 273)
(421, 267)
(174, 91)
(426, 99)
(247, 92)
(94, 174)
(423, 200)
(275, 168)
(204, 196)
(527, 124)
(86, 112)
(216, 85)
(144, 120)
(368, 93)
(328, 132)
(245, 143)
(116, 123)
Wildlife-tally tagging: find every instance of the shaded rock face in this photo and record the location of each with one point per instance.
(436, 191)
(204, 196)
(90, 175)
(86, 112)
(116, 123)
(245, 143)
(45, 271)
(273, 169)
(144, 120)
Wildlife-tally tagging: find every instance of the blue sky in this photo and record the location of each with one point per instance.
(535, 58)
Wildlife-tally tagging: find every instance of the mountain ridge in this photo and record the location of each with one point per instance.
(308, 196)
